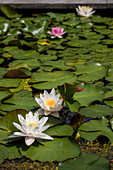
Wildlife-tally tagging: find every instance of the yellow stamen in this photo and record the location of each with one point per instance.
(34, 124)
(84, 7)
(50, 103)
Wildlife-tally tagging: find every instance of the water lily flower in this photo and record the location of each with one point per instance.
(31, 128)
(85, 11)
(50, 103)
(57, 32)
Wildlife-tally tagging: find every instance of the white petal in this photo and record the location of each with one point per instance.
(44, 128)
(52, 93)
(53, 36)
(42, 121)
(58, 107)
(29, 117)
(36, 114)
(21, 119)
(60, 101)
(46, 93)
(38, 100)
(14, 136)
(29, 140)
(19, 134)
(43, 136)
(18, 127)
(47, 112)
(55, 114)
(40, 111)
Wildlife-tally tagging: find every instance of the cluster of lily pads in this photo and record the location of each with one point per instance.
(69, 54)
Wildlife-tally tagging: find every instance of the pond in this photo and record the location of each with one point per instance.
(56, 76)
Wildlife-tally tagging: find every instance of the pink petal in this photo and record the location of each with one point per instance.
(55, 32)
(49, 32)
(80, 89)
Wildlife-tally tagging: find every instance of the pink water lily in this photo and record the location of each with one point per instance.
(57, 32)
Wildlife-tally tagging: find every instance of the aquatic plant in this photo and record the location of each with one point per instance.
(57, 32)
(50, 103)
(31, 128)
(85, 11)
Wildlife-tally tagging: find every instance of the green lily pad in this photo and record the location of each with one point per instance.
(9, 12)
(94, 128)
(90, 94)
(91, 71)
(23, 99)
(72, 22)
(80, 43)
(53, 79)
(109, 102)
(67, 92)
(6, 82)
(96, 111)
(57, 150)
(1, 157)
(4, 94)
(111, 121)
(2, 71)
(10, 151)
(60, 130)
(110, 75)
(89, 162)
(23, 54)
(57, 16)
(32, 63)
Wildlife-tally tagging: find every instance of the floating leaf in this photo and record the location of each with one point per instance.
(4, 94)
(57, 150)
(91, 71)
(60, 130)
(94, 128)
(89, 162)
(9, 12)
(67, 92)
(6, 82)
(96, 111)
(89, 94)
(10, 151)
(53, 79)
(23, 100)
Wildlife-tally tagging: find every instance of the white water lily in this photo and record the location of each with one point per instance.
(85, 11)
(31, 128)
(50, 103)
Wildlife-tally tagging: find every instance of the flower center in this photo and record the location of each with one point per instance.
(50, 103)
(30, 123)
(84, 7)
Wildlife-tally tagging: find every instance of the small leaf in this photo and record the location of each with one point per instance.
(86, 161)
(94, 128)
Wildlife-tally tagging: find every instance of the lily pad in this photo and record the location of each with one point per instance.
(90, 94)
(96, 111)
(91, 71)
(9, 12)
(94, 128)
(23, 100)
(89, 162)
(67, 92)
(53, 79)
(57, 150)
